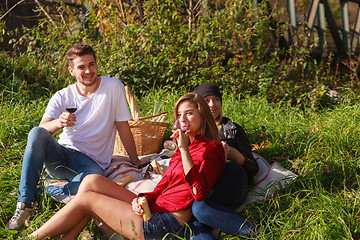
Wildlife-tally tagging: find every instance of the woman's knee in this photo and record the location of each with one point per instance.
(89, 182)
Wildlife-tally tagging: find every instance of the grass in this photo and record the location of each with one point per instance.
(322, 147)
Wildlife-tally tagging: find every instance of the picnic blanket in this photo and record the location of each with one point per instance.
(269, 178)
(143, 179)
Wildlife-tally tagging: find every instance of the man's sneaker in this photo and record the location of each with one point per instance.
(21, 217)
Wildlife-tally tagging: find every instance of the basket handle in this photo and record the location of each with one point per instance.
(165, 114)
(132, 103)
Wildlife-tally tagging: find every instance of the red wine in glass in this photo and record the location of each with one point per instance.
(71, 109)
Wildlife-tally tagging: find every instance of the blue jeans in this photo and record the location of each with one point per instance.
(160, 225)
(216, 212)
(61, 162)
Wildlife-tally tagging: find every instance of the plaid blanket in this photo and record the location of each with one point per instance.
(143, 180)
(269, 178)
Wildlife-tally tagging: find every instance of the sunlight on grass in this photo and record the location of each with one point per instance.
(322, 147)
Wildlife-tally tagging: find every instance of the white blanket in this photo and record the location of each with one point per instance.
(267, 180)
(120, 165)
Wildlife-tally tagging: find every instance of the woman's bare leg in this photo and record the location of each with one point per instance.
(75, 232)
(96, 183)
(105, 186)
(63, 221)
(116, 213)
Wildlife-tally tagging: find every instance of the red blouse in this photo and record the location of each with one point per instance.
(174, 191)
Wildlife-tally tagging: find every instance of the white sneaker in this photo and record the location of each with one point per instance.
(20, 218)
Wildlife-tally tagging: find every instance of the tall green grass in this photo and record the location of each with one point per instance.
(322, 147)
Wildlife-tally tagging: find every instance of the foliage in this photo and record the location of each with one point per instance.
(162, 49)
(183, 43)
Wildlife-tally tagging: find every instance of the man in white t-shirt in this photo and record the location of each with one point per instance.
(86, 144)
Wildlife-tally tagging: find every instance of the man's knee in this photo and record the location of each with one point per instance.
(38, 133)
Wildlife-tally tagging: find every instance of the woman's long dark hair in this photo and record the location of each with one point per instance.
(208, 128)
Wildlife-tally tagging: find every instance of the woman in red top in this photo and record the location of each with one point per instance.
(192, 172)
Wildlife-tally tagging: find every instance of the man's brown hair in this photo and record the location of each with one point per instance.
(78, 50)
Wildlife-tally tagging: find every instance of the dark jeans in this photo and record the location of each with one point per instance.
(60, 162)
(162, 225)
(216, 212)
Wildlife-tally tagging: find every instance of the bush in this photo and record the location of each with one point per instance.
(175, 44)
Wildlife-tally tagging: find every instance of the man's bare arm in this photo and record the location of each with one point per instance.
(66, 119)
(127, 140)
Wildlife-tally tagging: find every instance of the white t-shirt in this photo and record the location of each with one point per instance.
(95, 130)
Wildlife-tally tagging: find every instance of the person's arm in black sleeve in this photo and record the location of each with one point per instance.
(242, 144)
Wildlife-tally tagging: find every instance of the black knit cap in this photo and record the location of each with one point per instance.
(208, 89)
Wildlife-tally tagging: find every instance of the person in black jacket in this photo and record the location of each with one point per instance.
(231, 189)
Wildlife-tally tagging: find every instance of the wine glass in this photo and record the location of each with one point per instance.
(224, 134)
(71, 106)
(171, 144)
(227, 132)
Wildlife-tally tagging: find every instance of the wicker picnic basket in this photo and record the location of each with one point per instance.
(148, 135)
